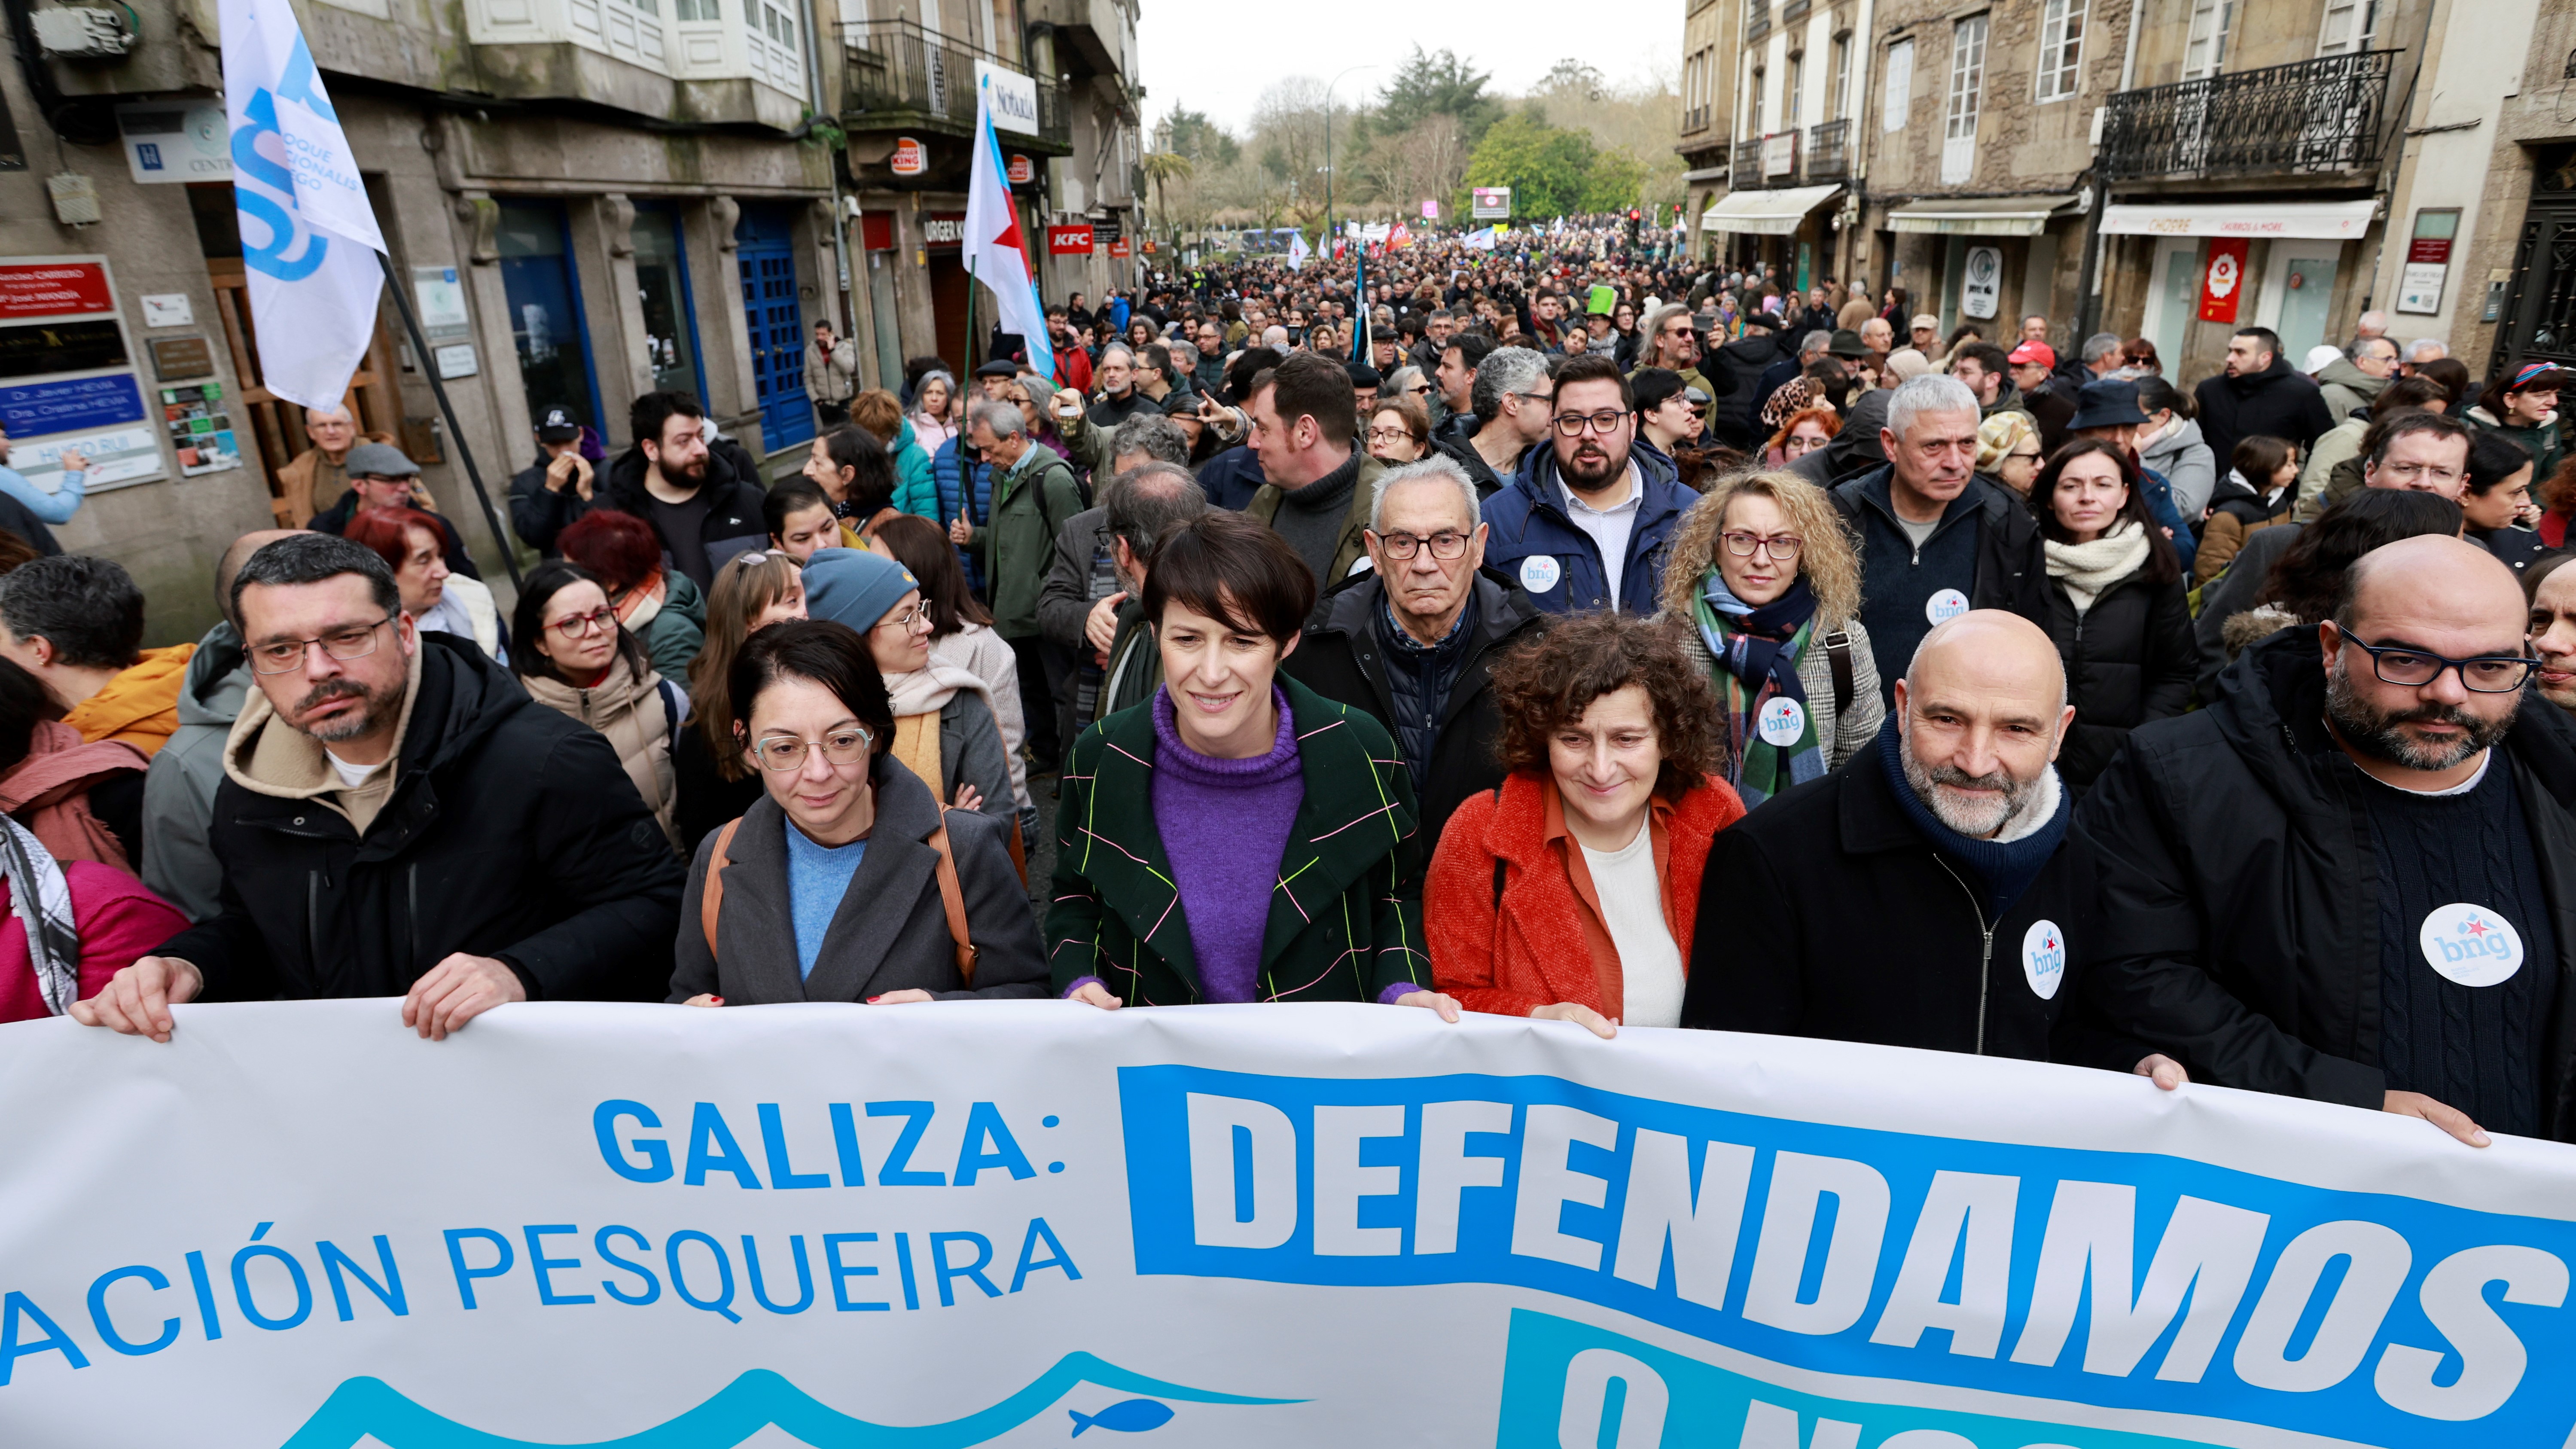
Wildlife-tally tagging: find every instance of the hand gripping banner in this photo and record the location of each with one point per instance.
(1023, 1223)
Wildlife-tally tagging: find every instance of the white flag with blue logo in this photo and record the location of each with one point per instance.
(308, 236)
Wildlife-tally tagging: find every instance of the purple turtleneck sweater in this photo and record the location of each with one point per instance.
(1224, 825)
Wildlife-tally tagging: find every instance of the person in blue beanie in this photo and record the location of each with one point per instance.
(1954, 824)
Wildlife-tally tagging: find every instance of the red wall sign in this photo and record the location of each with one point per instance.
(2222, 283)
(50, 289)
(2429, 251)
(1118, 248)
(1023, 170)
(1068, 241)
(943, 231)
(910, 157)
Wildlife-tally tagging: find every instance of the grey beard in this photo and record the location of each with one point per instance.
(2374, 732)
(1973, 821)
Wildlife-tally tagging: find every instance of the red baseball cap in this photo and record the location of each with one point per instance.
(2039, 352)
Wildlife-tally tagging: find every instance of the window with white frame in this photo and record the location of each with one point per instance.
(2350, 27)
(2061, 49)
(1842, 76)
(1967, 92)
(2205, 53)
(1793, 101)
(1899, 98)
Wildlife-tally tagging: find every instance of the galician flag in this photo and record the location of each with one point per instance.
(997, 254)
(1298, 251)
(308, 236)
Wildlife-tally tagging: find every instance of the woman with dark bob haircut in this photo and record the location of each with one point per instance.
(1237, 837)
(1572, 890)
(845, 881)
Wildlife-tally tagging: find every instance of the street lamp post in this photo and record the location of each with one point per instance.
(1328, 154)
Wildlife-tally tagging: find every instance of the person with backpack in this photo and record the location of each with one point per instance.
(1033, 493)
(1765, 587)
(576, 659)
(1571, 890)
(846, 881)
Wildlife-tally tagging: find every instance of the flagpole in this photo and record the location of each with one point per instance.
(438, 389)
(971, 363)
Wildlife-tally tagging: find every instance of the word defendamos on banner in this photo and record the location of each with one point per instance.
(2081, 1279)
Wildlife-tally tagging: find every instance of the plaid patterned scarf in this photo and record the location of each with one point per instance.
(41, 898)
(1771, 732)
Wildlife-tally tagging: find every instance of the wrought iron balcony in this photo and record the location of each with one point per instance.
(896, 73)
(1747, 168)
(2313, 117)
(1695, 120)
(1829, 151)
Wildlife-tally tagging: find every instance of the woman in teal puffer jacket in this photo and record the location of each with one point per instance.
(915, 491)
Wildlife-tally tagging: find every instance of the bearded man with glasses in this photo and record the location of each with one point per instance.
(2350, 877)
(1585, 520)
(1412, 641)
(399, 818)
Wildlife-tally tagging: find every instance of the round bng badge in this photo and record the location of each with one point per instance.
(1540, 573)
(1945, 606)
(2043, 958)
(1782, 722)
(2470, 944)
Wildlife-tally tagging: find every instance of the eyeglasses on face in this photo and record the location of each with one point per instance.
(1572, 425)
(2411, 472)
(355, 641)
(2416, 668)
(574, 626)
(787, 752)
(1447, 545)
(1783, 547)
(918, 614)
(1390, 435)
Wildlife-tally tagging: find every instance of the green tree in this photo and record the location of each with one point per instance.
(1437, 84)
(1203, 140)
(1549, 170)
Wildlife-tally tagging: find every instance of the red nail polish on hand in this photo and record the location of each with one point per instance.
(873, 1000)
(718, 1000)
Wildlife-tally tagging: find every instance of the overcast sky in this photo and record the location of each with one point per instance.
(1219, 59)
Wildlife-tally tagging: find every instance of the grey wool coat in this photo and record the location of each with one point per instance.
(890, 933)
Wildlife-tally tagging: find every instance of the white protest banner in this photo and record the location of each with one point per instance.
(1014, 1223)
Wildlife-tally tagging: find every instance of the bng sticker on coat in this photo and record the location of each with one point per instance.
(1540, 572)
(2470, 944)
(1945, 606)
(2043, 958)
(1782, 722)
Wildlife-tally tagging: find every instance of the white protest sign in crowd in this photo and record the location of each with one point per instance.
(301, 1226)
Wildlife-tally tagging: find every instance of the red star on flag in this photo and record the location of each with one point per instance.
(1010, 236)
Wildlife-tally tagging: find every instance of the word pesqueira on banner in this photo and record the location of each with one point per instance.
(1015, 1223)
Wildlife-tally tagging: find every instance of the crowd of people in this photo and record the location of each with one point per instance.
(1545, 627)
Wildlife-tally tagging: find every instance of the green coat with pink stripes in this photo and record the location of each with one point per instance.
(1345, 912)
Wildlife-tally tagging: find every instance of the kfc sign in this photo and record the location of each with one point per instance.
(1068, 241)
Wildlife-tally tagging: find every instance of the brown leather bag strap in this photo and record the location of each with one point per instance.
(952, 901)
(711, 897)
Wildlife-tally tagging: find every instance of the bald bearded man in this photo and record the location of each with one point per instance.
(2353, 877)
(1921, 894)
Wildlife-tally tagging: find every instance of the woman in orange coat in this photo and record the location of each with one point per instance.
(1570, 890)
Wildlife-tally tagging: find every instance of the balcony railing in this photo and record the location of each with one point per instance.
(2314, 117)
(1695, 120)
(1829, 151)
(1747, 167)
(898, 73)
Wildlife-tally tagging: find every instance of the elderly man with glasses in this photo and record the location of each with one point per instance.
(401, 819)
(1413, 642)
(2346, 879)
(1586, 521)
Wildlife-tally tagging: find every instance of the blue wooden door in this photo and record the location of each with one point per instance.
(765, 244)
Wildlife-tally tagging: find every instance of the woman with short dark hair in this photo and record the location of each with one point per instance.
(1239, 837)
(1572, 890)
(845, 881)
(576, 659)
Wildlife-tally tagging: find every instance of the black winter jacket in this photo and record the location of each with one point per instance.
(2010, 569)
(2278, 402)
(733, 522)
(2129, 659)
(1744, 361)
(538, 513)
(512, 831)
(2237, 892)
(1795, 914)
(1339, 659)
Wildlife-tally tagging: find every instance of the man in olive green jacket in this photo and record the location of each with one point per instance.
(1034, 492)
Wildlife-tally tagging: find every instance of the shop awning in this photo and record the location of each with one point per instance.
(1766, 213)
(2320, 220)
(1980, 216)
(1706, 173)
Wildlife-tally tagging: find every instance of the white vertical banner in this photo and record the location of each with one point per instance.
(307, 232)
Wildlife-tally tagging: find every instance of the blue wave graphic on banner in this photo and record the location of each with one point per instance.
(362, 1407)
